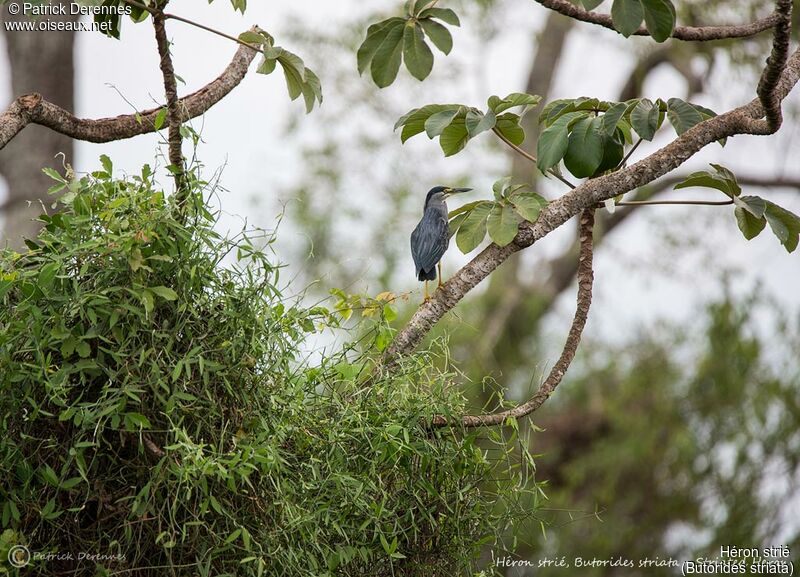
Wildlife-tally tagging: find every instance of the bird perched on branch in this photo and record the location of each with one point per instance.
(430, 239)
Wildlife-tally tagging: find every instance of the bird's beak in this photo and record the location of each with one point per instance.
(452, 191)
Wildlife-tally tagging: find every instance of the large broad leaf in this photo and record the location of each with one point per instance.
(295, 72)
(627, 15)
(375, 36)
(439, 35)
(785, 225)
(443, 14)
(528, 204)
(659, 18)
(437, 122)
(514, 99)
(454, 137)
(508, 125)
(413, 122)
(388, 56)
(613, 153)
(478, 122)
(473, 229)
(755, 205)
(721, 179)
(682, 115)
(554, 139)
(644, 119)
(418, 57)
(612, 116)
(502, 224)
(585, 148)
(749, 224)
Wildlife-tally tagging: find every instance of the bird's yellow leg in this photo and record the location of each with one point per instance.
(440, 275)
(427, 296)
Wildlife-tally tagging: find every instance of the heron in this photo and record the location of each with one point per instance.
(430, 239)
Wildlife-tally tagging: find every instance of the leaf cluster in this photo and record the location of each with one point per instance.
(752, 212)
(403, 39)
(627, 16)
(589, 135)
(455, 124)
(299, 78)
(500, 218)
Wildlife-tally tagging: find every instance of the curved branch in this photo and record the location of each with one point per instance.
(690, 33)
(588, 194)
(775, 64)
(33, 109)
(585, 282)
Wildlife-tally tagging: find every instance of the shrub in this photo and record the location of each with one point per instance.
(159, 409)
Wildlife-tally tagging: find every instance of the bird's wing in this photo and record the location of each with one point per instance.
(429, 241)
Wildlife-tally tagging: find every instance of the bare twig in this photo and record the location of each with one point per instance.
(33, 109)
(584, 301)
(530, 157)
(174, 138)
(692, 33)
(169, 16)
(694, 202)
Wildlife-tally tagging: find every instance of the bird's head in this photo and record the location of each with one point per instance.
(441, 193)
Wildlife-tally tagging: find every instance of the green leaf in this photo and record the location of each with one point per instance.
(454, 137)
(83, 349)
(682, 115)
(644, 119)
(627, 15)
(585, 148)
(721, 179)
(47, 275)
(512, 100)
(138, 420)
(785, 225)
(107, 164)
(478, 122)
(439, 35)
(437, 122)
(528, 204)
(749, 224)
(591, 4)
(388, 56)
(267, 65)
(473, 229)
(295, 72)
(413, 122)
(416, 53)
(612, 116)
(443, 14)
(421, 5)
(507, 124)
(165, 293)
(312, 90)
(251, 37)
(464, 208)
(375, 36)
(755, 205)
(456, 221)
(499, 186)
(502, 224)
(613, 153)
(659, 18)
(553, 141)
(158, 122)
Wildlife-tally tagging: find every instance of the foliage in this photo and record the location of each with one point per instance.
(501, 218)
(159, 406)
(403, 39)
(752, 212)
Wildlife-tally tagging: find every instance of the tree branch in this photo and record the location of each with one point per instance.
(585, 282)
(690, 33)
(775, 63)
(588, 194)
(174, 138)
(33, 109)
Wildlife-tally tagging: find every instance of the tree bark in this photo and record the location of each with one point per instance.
(41, 62)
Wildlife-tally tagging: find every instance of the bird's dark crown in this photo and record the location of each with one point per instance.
(445, 189)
